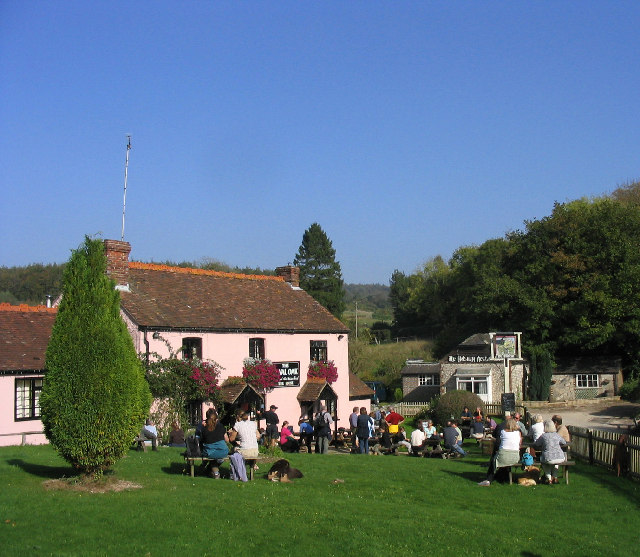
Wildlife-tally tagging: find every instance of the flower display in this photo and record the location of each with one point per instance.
(323, 370)
(260, 373)
(206, 376)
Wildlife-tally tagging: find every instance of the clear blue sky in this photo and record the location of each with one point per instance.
(405, 129)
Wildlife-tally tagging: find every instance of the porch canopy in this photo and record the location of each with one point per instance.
(241, 393)
(315, 390)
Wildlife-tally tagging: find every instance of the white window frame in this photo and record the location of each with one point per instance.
(428, 380)
(587, 380)
(27, 398)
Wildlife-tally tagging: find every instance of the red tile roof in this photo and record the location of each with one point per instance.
(165, 297)
(24, 335)
(358, 388)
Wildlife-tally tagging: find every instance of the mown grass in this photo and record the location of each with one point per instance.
(385, 505)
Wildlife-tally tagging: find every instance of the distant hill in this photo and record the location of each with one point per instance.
(371, 298)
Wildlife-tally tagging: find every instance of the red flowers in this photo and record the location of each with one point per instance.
(206, 375)
(260, 373)
(324, 370)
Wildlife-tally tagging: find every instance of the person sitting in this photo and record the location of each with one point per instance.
(453, 438)
(518, 418)
(537, 427)
(306, 433)
(466, 417)
(245, 436)
(176, 436)
(508, 452)
(418, 439)
(400, 440)
(478, 412)
(477, 429)
(550, 442)
(490, 424)
(561, 429)
(430, 430)
(214, 445)
(149, 431)
(288, 443)
(384, 443)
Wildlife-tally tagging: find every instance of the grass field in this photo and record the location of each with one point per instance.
(386, 506)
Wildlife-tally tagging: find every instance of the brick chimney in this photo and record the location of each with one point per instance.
(118, 262)
(290, 274)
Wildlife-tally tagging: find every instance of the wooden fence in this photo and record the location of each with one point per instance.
(596, 446)
(410, 409)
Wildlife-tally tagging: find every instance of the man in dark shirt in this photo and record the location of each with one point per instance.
(450, 435)
(272, 425)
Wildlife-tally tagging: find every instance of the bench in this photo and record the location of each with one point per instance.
(190, 461)
(564, 465)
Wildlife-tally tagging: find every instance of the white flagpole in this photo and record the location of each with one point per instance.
(124, 202)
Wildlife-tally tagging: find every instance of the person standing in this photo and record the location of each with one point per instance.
(353, 424)
(394, 420)
(363, 426)
(272, 420)
(323, 423)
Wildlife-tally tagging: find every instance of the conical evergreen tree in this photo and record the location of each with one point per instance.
(95, 397)
(320, 273)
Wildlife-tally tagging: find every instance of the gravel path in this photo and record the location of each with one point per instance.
(611, 416)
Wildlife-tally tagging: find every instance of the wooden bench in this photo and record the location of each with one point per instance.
(564, 465)
(190, 461)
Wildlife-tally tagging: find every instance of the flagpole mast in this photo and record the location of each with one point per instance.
(126, 166)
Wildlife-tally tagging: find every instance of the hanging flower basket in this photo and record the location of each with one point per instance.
(206, 376)
(323, 370)
(260, 373)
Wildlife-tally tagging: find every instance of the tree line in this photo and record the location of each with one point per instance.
(569, 281)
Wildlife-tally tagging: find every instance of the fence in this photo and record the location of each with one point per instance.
(597, 447)
(410, 409)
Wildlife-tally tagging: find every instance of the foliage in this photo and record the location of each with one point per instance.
(31, 284)
(178, 381)
(262, 374)
(320, 273)
(398, 394)
(323, 370)
(95, 398)
(452, 403)
(541, 373)
(630, 390)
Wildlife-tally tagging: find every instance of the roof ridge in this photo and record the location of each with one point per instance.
(24, 308)
(193, 271)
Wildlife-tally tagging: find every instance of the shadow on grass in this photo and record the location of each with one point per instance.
(42, 470)
(176, 468)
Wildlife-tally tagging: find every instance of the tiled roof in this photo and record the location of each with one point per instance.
(314, 388)
(358, 388)
(176, 298)
(24, 335)
(231, 392)
(585, 364)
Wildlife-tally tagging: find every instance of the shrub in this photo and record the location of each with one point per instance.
(630, 390)
(95, 396)
(452, 404)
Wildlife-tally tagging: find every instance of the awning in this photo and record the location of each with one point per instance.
(240, 392)
(316, 389)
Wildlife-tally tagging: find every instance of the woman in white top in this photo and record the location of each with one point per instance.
(537, 427)
(508, 453)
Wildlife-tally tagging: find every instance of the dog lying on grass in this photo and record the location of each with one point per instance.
(529, 476)
(283, 472)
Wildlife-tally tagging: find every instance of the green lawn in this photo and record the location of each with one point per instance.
(387, 505)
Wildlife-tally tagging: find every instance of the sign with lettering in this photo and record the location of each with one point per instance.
(461, 359)
(289, 374)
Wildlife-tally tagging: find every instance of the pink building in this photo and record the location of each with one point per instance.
(228, 317)
(217, 316)
(24, 335)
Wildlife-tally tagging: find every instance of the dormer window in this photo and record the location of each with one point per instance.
(191, 348)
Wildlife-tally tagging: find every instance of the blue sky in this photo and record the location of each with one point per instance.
(405, 129)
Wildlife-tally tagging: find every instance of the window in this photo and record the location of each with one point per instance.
(429, 379)
(319, 351)
(191, 348)
(28, 399)
(477, 385)
(193, 410)
(256, 348)
(586, 380)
